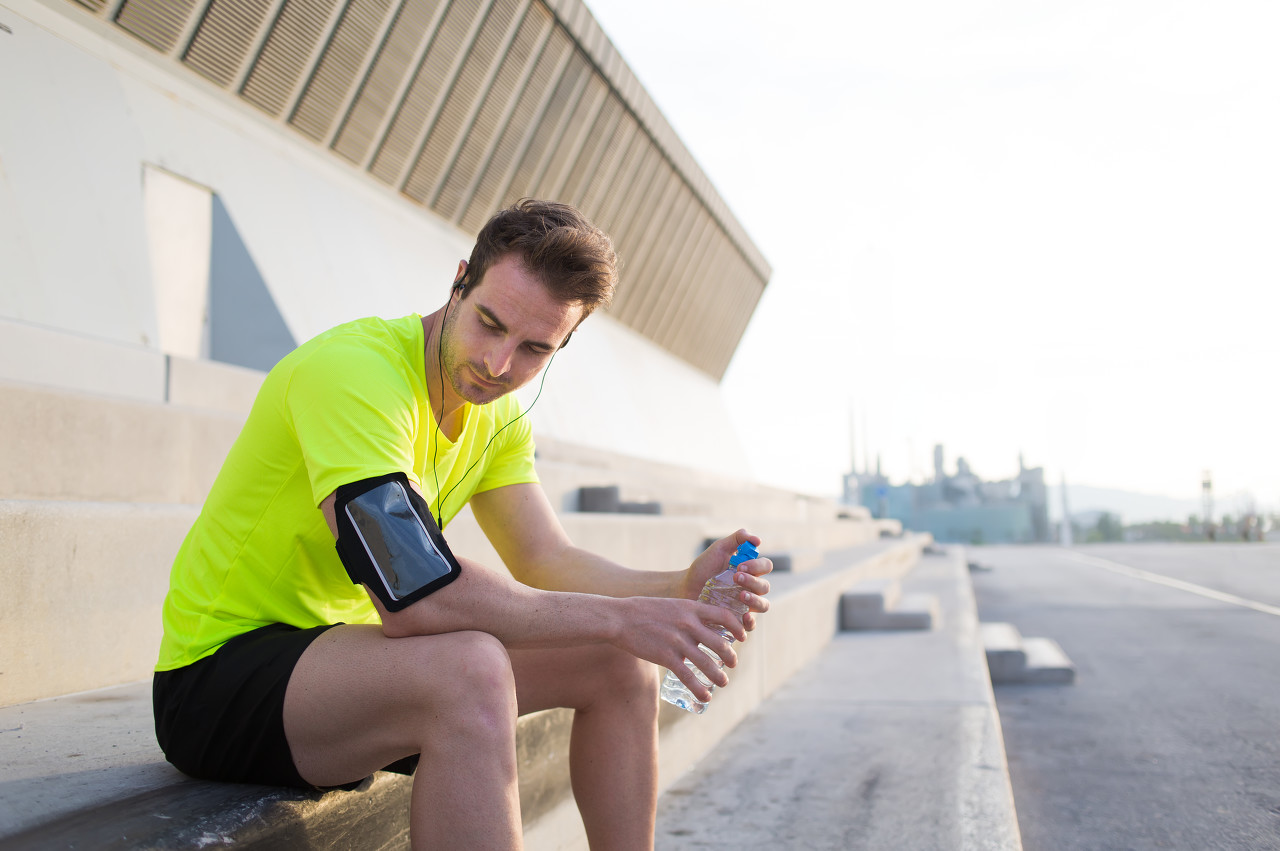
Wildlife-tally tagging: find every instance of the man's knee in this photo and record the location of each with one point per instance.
(628, 678)
(470, 669)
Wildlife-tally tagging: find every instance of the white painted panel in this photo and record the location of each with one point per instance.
(179, 226)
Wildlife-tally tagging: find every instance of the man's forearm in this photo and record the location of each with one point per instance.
(518, 615)
(575, 569)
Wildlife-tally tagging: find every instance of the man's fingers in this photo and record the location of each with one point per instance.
(755, 603)
(756, 567)
(717, 616)
(692, 679)
(709, 663)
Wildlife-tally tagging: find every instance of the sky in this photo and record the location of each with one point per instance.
(1007, 227)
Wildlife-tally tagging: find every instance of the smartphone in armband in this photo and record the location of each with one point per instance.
(388, 541)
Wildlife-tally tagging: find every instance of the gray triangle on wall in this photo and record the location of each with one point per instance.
(245, 325)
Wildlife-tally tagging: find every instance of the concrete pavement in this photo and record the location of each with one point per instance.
(889, 740)
(1169, 738)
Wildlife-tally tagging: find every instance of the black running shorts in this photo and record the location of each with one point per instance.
(222, 717)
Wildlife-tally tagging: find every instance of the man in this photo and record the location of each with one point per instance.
(276, 668)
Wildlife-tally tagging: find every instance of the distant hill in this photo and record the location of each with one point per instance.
(1132, 507)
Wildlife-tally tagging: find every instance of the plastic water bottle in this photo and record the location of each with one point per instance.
(720, 590)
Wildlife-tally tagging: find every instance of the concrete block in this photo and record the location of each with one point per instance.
(782, 562)
(863, 606)
(1006, 658)
(914, 611)
(599, 499)
(879, 604)
(1047, 664)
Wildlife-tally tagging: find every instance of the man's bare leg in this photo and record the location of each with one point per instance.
(613, 759)
(359, 701)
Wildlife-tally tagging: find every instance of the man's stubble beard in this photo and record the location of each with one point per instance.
(455, 368)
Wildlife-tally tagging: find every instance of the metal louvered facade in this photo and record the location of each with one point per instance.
(464, 106)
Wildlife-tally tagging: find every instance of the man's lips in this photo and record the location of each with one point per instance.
(481, 380)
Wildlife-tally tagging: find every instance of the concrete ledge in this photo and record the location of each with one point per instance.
(85, 771)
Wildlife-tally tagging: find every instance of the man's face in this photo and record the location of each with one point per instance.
(504, 331)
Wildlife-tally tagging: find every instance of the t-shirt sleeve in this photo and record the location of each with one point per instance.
(353, 409)
(512, 455)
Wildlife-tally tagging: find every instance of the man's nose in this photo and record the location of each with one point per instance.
(498, 360)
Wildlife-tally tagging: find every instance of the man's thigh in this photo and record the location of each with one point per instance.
(359, 701)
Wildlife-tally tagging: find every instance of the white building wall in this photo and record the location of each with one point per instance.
(79, 305)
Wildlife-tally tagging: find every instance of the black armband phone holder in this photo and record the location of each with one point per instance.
(388, 541)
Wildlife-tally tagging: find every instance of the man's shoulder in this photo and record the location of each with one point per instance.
(403, 334)
(361, 345)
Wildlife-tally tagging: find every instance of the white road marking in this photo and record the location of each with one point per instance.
(1136, 573)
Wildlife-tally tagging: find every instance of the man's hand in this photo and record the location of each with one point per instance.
(750, 575)
(666, 631)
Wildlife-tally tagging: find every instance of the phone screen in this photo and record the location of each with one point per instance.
(405, 557)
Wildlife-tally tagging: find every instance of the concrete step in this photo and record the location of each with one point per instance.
(82, 447)
(566, 468)
(880, 604)
(75, 446)
(1011, 658)
(111, 561)
(83, 585)
(85, 770)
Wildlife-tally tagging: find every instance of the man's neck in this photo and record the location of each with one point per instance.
(446, 406)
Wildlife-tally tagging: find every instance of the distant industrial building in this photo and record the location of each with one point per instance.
(960, 508)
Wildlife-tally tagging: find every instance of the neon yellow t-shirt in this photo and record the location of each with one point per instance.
(348, 405)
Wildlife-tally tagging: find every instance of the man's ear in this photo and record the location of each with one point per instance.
(459, 280)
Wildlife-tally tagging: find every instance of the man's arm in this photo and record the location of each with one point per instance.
(524, 529)
(661, 630)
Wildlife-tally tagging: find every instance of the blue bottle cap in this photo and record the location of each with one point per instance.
(746, 552)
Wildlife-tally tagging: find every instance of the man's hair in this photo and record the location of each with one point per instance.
(572, 258)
